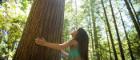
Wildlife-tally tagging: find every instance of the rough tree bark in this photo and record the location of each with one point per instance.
(45, 20)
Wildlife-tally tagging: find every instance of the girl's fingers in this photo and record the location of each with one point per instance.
(40, 41)
(42, 38)
(37, 39)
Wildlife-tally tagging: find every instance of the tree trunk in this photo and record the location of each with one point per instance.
(94, 29)
(75, 14)
(134, 12)
(91, 38)
(91, 33)
(108, 45)
(45, 20)
(96, 39)
(137, 26)
(118, 36)
(111, 37)
(128, 40)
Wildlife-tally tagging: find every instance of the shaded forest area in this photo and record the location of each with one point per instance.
(113, 27)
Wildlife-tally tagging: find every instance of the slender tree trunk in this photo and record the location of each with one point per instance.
(91, 31)
(91, 37)
(137, 26)
(118, 36)
(128, 40)
(93, 49)
(96, 39)
(45, 20)
(134, 12)
(110, 34)
(94, 29)
(108, 45)
(75, 14)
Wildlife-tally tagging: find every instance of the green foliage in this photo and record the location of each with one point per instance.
(24, 4)
(12, 22)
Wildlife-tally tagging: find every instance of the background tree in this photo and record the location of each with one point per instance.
(128, 40)
(111, 38)
(116, 28)
(136, 24)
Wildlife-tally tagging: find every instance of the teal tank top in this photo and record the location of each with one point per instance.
(74, 52)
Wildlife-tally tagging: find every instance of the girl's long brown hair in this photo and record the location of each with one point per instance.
(82, 39)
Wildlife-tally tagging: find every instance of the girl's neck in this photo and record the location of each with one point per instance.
(73, 37)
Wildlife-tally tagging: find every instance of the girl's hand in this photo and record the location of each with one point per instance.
(40, 41)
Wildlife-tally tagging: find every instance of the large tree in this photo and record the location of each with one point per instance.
(45, 20)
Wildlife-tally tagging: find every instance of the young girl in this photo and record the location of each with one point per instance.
(78, 45)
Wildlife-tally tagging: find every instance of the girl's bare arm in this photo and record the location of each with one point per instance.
(42, 42)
